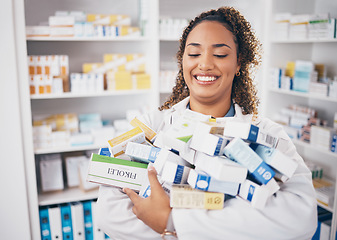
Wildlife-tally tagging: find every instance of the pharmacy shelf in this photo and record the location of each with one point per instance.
(67, 149)
(122, 38)
(85, 95)
(313, 147)
(169, 39)
(328, 208)
(304, 95)
(306, 41)
(66, 195)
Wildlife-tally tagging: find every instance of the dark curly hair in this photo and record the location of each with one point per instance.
(249, 54)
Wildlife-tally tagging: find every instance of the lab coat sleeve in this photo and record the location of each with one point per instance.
(116, 219)
(291, 213)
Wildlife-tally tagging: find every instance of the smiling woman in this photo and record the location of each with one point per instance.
(217, 56)
(210, 63)
(235, 36)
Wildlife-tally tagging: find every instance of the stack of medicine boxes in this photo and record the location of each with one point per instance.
(200, 161)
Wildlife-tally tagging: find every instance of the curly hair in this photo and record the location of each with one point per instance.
(249, 54)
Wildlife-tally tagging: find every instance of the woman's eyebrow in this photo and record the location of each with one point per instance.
(194, 44)
(221, 45)
(217, 45)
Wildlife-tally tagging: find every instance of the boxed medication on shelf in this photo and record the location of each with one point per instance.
(299, 24)
(183, 196)
(72, 169)
(118, 144)
(61, 21)
(303, 75)
(321, 26)
(83, 167)
(109, 19)
(202, 181)
(51, 172)
(81, 139)
(62, 31)
(281, 26)
(102, 135)
(141, 81)
(325, 191)
(37, 31)
(240, 152)
(220, 168)
(322, 136)
(116, 172)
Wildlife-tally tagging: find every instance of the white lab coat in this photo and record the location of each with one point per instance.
(290, 214)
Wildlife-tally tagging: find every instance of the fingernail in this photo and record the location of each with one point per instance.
(151, 168)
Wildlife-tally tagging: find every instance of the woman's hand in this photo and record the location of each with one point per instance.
(155, 209)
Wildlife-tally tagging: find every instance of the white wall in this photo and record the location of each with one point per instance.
(14, 218)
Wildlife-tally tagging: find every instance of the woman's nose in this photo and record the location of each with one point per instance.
(206, 62)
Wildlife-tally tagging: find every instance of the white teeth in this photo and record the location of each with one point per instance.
(206, 78)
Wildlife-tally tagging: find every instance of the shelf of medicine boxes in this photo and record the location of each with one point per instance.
(84, 95)
(169, 39)
(302, 94)
(68, 149)
(311, 96)
(121, 38)
(66, 195)
(332, 40)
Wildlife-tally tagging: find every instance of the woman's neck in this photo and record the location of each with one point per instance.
(216, 110)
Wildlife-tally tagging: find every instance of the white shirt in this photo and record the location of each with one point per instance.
(291, 213)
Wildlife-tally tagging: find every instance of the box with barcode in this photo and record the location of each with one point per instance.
(276, 159)
(183, 196)
(239, 151)
(249, 132)
(116, 172)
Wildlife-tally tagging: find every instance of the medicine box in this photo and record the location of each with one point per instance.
(118, 144)
(257, 194)
(249, 132)
(51, 173)
(165, 156)
(116, 172)
(202, 181)
(149, 133)
(240, 152)
(276, 159)
(141, 152)
(221, 168)
(205, 142)
(175, 173)
(183, 196)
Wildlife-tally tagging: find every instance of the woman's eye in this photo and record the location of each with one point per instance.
(193, 55)
(220, 55)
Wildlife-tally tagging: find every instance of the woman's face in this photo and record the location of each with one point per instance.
(210, 62)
